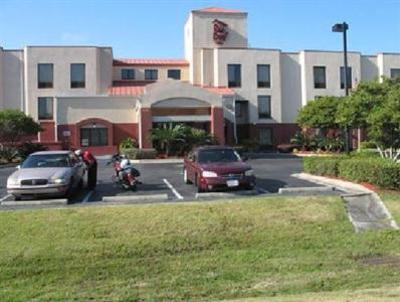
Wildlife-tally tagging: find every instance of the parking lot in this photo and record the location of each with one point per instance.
(273, 171)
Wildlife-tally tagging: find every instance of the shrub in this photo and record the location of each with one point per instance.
(128, 143)
(28, 148)
(7, 153)
(367, 145)
(250, 145)
(325, 166)
(382, 173)
(136, 153)
(366, 153)
(287, 148)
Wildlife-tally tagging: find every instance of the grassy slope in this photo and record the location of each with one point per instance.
(258, 248)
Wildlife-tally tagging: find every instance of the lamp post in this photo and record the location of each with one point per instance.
(342, 28)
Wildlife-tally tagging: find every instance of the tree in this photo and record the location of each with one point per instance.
(15, 128)
(167, 135)
(353, 110)
(384, 121)
(375, 106)
(320, 113)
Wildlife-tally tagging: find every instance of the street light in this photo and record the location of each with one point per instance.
(342, 28)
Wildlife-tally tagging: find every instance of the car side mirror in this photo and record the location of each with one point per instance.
(18, 167)
(245, 158)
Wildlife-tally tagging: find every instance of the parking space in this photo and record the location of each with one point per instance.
(273, 172)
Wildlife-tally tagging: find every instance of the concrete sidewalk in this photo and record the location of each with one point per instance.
(365, 209)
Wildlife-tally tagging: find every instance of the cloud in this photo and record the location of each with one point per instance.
(73, 38)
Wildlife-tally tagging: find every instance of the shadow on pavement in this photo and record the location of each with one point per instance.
(271, 185)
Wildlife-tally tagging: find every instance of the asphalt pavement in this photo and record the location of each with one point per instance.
(273, 171)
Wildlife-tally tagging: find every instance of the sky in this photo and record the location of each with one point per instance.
(154, 28)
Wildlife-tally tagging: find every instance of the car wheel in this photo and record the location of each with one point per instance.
(185, 177)
(197, 183)
(250, 187)
(70, 190)
(80, 185)
(17, 197)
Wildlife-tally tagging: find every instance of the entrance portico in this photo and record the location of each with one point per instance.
(176, 101)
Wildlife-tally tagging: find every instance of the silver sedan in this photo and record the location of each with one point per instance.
(48, 173)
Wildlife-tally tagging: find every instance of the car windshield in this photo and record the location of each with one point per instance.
(46, 161)
(218, 155)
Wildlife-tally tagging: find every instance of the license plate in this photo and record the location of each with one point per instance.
(232, 183)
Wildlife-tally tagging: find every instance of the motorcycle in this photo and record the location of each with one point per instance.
(125, 174)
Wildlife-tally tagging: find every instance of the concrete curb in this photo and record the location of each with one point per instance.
(342, 185)
(299, 190)
(136, 198)
(47, 202)
(226, 194)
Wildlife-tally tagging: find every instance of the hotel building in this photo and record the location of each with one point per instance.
(85, 98)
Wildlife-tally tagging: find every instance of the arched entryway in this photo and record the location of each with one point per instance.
(189, 111)
(178, 102)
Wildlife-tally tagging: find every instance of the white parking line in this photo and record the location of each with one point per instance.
(88, 195)
(179, 196)
(262, 190)
(5, 197)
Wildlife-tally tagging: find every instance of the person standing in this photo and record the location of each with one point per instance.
(91, 164)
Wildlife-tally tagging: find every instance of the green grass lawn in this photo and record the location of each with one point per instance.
(287, 248)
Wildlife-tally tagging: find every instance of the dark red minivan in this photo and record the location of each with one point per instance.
(217, 167)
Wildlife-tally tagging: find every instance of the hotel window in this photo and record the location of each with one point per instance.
(264, 106)
(174, 74)
(78, 75)
(127, 74)
(394, 73)
(94, 135)
(319, 77)
(265, 136)
(45, 75)
(151, 74)
(349, 80)
(234, 75)
(45, 108)
(263, 76)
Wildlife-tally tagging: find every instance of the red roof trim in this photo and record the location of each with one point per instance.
(219, 10)
(150, 62)
(134, 88)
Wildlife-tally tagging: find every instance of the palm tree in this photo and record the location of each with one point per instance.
(167, 135)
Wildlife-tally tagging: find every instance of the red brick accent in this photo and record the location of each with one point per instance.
(52, 146)
(217, 124)
(146, 120)
(116, 133)
(123, 131)
(48, 133)
(281, 133)
(67, 141)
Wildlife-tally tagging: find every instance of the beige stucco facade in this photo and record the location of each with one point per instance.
(72, 110)
(203, 82)
(140, 70)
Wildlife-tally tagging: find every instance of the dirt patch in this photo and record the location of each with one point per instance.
(380, 260)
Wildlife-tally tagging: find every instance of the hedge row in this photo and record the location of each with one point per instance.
(136, 153)
(376, 171)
